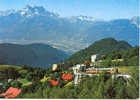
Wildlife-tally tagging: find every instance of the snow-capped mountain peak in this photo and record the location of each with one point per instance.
(37, 10)
(30, 11)
(8, 12)
(136, 20)
(81, 17)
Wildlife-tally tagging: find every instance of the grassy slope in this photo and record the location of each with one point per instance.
(128, 68)
(10, 66)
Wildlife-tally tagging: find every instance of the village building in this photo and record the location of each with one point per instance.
(9, 80)
(100, 70)
(79, 68)
(54, 67)
(95, 57)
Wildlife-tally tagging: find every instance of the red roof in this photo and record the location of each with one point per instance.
(54, 82)
(67, 76)
(11, 93)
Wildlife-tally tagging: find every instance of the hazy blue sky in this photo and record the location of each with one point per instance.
(101, 9)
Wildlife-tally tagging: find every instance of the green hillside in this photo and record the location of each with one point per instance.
(36, 82)
(38, 55)
(104, 46)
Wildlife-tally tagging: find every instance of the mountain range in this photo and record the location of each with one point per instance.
(35, 24)
(36, 55)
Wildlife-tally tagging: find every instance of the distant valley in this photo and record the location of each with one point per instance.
(70, 34)
(42, 55)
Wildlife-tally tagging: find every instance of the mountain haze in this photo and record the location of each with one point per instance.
(35, 24)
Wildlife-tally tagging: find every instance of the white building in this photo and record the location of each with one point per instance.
(77, 78)
(54, 67)
(95, 58)
(78, 67)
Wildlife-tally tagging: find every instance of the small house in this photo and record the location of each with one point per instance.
(95, 57)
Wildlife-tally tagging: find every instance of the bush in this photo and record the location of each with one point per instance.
(101, 87)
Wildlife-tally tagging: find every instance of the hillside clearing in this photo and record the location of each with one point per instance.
(122, 69)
